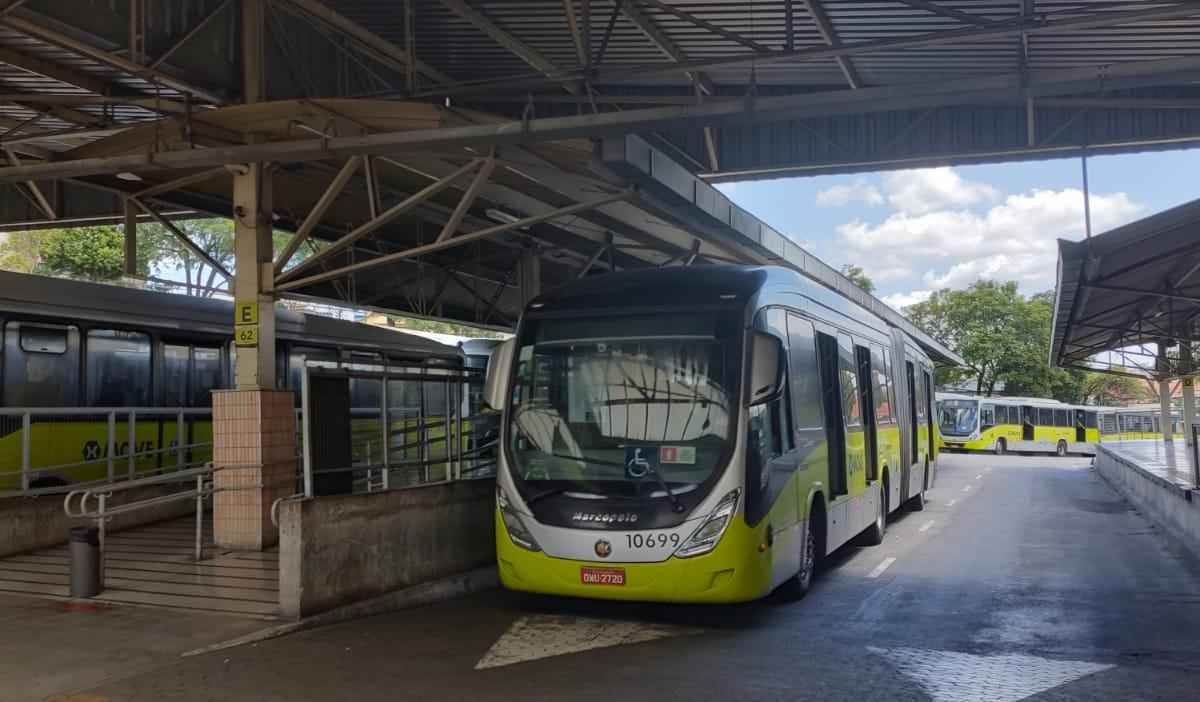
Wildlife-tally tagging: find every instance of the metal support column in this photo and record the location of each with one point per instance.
(130, 238)
(1189, 391)
(1164, 408)
(529, 276)
(254, 273)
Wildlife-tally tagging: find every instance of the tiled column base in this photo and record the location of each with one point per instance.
(254, 451)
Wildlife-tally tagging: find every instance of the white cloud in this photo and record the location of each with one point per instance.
(928, 189)
(857, 191)
(1013, 240)
(902, 300)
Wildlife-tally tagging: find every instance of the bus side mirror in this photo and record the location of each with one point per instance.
(766, 368)
(495, 380)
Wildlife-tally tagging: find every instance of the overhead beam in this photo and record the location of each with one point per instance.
(190, 34)
(318, 212)
(665, 44)
(573, 26)
(55, 71)
(468, 199)
(382, 50)
(525, 52)
(423, 249)
(1147, 293)
(184, 239)
(182, 182)
(705, 24)
(42, 202)
(383, 219)
(950, 12)
(830, 37)
(38, 31)
(1038, 24)
(764, 109)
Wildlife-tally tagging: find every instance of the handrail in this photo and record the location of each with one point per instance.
(88, 411)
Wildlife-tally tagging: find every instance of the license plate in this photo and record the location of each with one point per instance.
(602, 576)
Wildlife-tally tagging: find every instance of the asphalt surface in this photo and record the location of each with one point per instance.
(1024, 578)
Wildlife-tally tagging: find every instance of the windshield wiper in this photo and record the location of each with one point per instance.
(676, 504)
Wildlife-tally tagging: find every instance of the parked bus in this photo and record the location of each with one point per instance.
(1017, 424)
(1133, 423)
(701, 434)
(70, 344)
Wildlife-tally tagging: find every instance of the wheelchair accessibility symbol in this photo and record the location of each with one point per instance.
(637, 461)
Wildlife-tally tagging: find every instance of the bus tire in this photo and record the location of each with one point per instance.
(810, 555)
(1001, 447)
(873, 535)
(1061, 449)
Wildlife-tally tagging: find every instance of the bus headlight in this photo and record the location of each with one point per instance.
(710, 532)
(513, 524)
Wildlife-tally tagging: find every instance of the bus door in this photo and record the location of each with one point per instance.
(867, 399)
(835, 426)
(1080, 426)
(1028, 421)
(913, 421)
(928, 406)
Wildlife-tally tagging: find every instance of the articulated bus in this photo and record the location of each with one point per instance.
(701, 434)
(1018, 424)
(69, 344)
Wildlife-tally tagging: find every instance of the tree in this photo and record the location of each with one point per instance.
(858, 277)
(89, 253)
(1109, 389)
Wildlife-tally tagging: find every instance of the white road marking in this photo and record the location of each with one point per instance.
(878, 571)
(950, 676)
(545, 635)
(926, 525)
(951, 503)
(967, 488)
(979, 477)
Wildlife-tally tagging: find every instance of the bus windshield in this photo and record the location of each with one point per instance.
(957, 417)
(623, 406)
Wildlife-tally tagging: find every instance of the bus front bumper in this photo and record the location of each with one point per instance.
(735, 571)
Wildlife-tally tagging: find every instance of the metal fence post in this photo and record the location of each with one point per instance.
(26, 449)
(1195, 459)
(385, 431)
(101, 527)
(199, 515)
(447, 433)
(179, 432)
(306, 442)
(132, 442)
(112, 441)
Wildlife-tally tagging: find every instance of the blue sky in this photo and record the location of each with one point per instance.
(921, 230)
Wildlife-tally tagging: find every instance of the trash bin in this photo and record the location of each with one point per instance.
(86, 580)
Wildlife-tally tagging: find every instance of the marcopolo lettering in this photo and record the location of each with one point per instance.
(605, 517)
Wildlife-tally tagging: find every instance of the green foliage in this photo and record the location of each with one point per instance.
(90, 253)
(858, 277)
(1003, 337)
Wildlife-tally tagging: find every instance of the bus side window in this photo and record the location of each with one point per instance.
(987, 416)
(1045, 417)
(175, 375)
(805, 383)
(882, 396)
(41, 365)
(206, 374)
(1061, 419)
(118, 368)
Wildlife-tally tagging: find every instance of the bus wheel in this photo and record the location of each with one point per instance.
(801, 582)
(1001, 447)
(873, 536)
(1062, 448)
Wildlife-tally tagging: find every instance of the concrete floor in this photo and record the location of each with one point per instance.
(1025, 578)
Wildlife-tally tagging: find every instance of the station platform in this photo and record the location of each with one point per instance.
(1170, 461)
(1159, 479)
(154, 565)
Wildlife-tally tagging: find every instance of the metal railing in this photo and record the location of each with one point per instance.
(55, 450)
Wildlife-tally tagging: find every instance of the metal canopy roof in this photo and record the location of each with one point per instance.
(1125, 294)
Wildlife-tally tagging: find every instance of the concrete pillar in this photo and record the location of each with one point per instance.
(529, 276)
(254, 426)
(1164, 408)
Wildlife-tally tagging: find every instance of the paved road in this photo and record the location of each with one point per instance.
(1024, 578)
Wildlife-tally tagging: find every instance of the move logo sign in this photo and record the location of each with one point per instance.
(94, 450)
